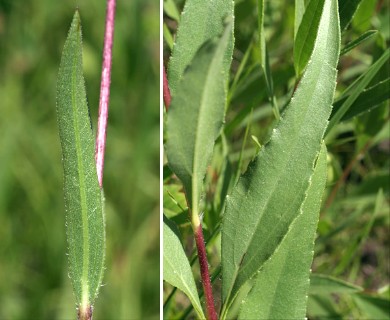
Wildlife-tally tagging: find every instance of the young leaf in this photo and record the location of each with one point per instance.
(306, 35)
(365, 36)
(177, 270)
(268, 197)
(196, 114)
(283, 283)
(201, 20)
(83, 196)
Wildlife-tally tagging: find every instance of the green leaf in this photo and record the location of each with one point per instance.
(83, 197)
(373, 307)
(306, 35)
(356, 88)
(171, 10)
(177, 270)
(268, 197)
(325, 284)
(347, 9)
(299, 11)
(281, 287)
(322, 307)
(366, 101)
(168, 36)
(365, 36)
(362, 18)
(201, 20)
(196, 114)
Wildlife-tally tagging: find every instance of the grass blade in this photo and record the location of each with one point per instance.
(83, 196)
(365, 36)
(283, 283)
(366, 101)
(325, 284)
(264, 61)
(267, 198)
(356, 88)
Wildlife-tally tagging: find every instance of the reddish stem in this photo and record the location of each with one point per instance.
(204, 272)
(85, 314)
(105, 90)
(166, 92)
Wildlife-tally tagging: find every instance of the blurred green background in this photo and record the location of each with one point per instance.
(34, 283)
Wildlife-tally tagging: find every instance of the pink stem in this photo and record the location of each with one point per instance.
(105, 90)
(204, 272)
(166, 92)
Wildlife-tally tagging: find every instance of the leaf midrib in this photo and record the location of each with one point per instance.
(202, 108)
(82, 185)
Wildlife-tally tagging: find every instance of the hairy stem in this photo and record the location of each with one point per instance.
(85, 314)
(105, 90)
(204, 272)
(166, 92)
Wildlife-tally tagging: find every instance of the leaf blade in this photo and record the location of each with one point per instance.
(356, 88)
(283, 283)
(195, 116)
(83, 196)
(325, 284)
(347, 9)
(255, 197)
(201, 20)
(177, 270)
(306, 35)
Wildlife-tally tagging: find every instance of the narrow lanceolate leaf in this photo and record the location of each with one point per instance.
(196, 114)
(306, 35)
(177, 270)
(356, 88)
(347, 9)
(282, 286)
(325, 284)
(368, 100)
(364, 37)
(268, 198)
(201, 20)
(83, 197)
(299, 11)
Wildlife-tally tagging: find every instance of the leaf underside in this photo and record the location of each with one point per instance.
(83, 196)
(268, 197)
